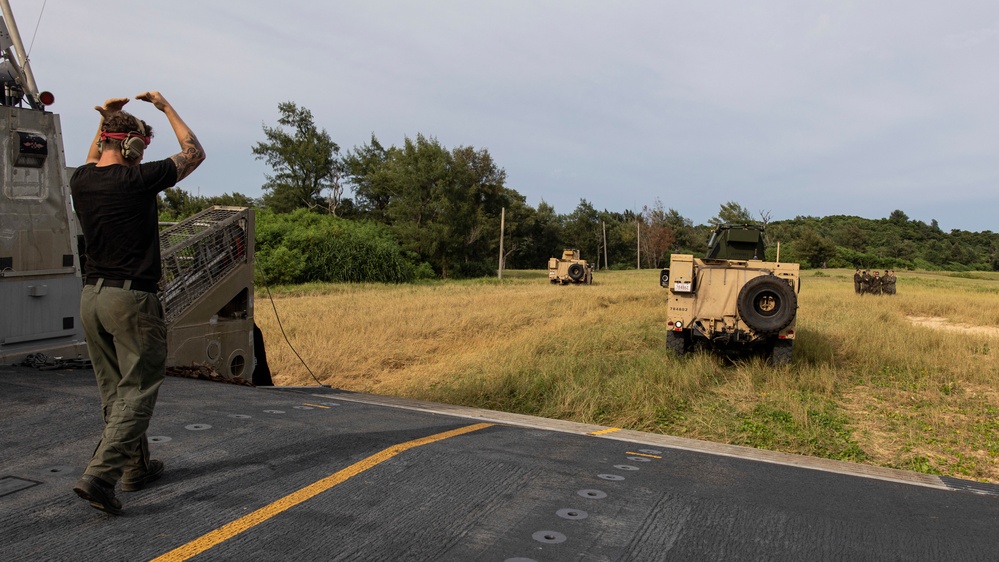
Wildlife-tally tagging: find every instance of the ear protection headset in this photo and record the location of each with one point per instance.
(133, 143)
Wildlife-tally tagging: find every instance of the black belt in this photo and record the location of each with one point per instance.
(147, 286)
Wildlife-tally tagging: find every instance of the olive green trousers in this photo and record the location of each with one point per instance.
(126, 338)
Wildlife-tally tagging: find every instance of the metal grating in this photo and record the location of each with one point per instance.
(199, 252)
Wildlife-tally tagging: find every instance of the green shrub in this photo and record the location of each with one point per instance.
(279, 265)
(424, 271)
(302, 246)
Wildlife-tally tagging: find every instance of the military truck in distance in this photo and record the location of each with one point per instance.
(569, 269)
(732, 300)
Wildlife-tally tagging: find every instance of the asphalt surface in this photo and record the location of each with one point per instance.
(315, 474)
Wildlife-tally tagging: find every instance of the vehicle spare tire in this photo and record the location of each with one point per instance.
(767, 304)
(576, 271)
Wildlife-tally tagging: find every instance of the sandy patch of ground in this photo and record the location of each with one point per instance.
(938, 323)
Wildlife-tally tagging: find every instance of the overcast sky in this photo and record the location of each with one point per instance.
(796, 108)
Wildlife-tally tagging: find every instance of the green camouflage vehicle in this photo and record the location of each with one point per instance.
(732, 301)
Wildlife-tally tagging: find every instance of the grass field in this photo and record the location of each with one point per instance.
(907, 381)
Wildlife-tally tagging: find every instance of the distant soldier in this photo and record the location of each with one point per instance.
(888, 283)
(865, 282)
(857, 278)
(876, 284)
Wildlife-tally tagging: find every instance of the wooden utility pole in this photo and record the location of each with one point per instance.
(606, 263)
(502, 227)
(638, 239)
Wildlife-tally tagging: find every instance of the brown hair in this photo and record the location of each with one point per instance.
(124, 122)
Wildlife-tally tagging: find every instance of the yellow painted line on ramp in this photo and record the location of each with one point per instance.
(605, 431)
(316, 405)
(226, 532)
(644, 455)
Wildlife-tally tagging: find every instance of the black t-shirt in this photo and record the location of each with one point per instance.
(116, 206)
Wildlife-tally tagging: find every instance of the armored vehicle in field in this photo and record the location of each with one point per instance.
(732, 301)
(569, 269)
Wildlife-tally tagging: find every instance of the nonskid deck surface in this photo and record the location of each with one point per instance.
(315, 474)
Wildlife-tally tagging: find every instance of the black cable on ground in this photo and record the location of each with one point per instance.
(274, 306)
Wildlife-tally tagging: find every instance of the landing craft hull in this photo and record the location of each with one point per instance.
(40, 281)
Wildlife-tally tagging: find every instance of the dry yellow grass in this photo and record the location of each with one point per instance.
(867, 384)
(383, 338)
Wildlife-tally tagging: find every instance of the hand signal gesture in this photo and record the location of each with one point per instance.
(111, 106)
(154, 98)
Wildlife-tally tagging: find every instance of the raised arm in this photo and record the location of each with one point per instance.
(191, 153)
(112, 105)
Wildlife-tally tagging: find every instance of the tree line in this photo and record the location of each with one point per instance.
(422, 210)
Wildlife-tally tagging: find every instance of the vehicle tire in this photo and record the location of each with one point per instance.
(677, 342)
(576, 271)
(781, 354)
(767, 304)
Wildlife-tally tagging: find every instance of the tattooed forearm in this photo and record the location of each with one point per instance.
(191, 153)
(189, 158)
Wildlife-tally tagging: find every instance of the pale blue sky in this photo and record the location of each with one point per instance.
(796, 108)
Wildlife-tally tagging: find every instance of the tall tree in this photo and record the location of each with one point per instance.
(732, 213)
(365, 166)
(683, 230)
(521, 238)
(442, 205)
(850, 235)
(657, 235)
(622, 238)
(307, 169)
(477, 197)
(582, 230)
(546, 233)
(815, 248)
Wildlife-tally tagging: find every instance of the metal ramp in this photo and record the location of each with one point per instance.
(207, 290)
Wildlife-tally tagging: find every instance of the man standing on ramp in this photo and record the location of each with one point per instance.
(114, 195)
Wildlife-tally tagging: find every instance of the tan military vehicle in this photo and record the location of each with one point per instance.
(732, 301)
(569, 269)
